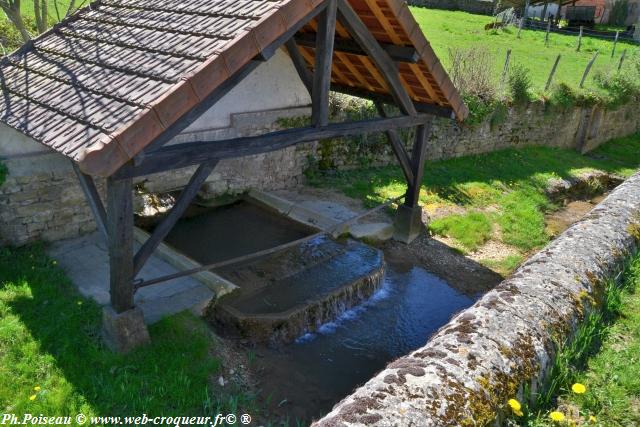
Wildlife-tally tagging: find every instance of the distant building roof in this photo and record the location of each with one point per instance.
(107, 81)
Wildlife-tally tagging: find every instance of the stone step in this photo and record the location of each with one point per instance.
(283, 296)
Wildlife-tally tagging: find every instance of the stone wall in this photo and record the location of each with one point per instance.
(535, 125)
(41, 199)
(505, 343)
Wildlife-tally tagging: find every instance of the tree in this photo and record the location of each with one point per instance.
(11, 8)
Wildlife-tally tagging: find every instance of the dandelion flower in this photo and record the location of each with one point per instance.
(514, 404)
(37, 388)
(592, 419)
(578, 388)
(518, 413)
(557, 416)
(32, 397)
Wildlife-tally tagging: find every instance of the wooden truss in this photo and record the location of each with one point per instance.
(115, 219)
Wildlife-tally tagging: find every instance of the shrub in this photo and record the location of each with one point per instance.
(622, 88)
(519, 83)
(472, 73)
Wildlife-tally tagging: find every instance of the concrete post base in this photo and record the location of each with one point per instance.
(122, 332)
(407, 224)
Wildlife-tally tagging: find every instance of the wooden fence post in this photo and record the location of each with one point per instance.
(546, 36)
(579, 39)
(586, 70)
(505, 70)
(624, 54)
(552, 73)
(615, 42)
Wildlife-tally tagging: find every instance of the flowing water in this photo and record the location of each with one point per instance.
(305, 379)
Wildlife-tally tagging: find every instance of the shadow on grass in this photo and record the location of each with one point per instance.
(50, 336)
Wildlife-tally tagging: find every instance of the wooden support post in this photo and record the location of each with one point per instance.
(184, 200)
(417, 165)
(120, 229)
(552, 73)
(123, 327)
(322, 71)
(300, 64)
(93, 199)
(361, 34)
(615, 43)
(408, 220)
(579, 39)
(586, 70)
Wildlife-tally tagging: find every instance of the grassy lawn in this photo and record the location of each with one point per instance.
(502, 192)
(52, 360)
(605, 359)
(447, 29)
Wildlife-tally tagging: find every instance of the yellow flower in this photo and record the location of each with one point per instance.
(32, 397)
(37, 388)
(592, 419)
(515, 405)
(557, 416)
(518, 412)
(578, 388)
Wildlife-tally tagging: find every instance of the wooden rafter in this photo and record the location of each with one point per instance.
(358, 30)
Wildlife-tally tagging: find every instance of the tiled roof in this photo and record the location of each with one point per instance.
(103, 84)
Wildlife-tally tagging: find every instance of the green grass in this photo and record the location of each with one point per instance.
(50, 337)
(505, 265)
(605, 357)
(447, 29)
(471, 229)
(511, 181)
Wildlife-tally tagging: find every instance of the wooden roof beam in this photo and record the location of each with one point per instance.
(193, 153)
(397, 53)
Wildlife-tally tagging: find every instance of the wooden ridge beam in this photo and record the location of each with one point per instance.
(184, 200)
(192, 153)
(361, 34)
(343, 45)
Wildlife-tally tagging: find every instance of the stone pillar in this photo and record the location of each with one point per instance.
(407, 223)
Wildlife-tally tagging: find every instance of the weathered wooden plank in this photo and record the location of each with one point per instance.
(93, 199)
(397, 147)
(322, 69)
(192, 153)
(343, 45)
(184, 200)
(300, 64)
(359, 31)
(120, 229)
